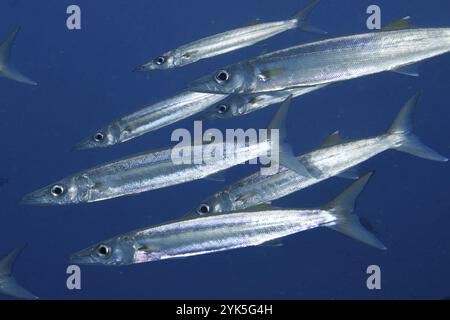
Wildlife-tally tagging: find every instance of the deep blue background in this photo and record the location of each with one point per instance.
(85, 81)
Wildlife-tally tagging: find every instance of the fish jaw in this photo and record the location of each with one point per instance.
(72, 190)
(103, 138)
(114, 252)
(169, 63)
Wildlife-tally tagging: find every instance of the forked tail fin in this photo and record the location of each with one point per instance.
(8, 285)
(409, 142)
(347, 222)
(7, 70)
(302, 18)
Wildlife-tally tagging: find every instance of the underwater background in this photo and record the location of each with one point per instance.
(85, 82)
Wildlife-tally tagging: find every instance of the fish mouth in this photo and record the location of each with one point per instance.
(144, 67)
(84, 145)
(81, 258)
(34, 199)
(207, 85)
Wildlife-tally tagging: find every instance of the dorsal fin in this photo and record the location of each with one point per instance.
(332, 140)
(401, 24)
(253, 22)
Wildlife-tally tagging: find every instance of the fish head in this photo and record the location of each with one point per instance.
(105, 137)
(70, 190)
(232, 79)
(114, 252)
(234, 106)
(215, 204)
(162, 62)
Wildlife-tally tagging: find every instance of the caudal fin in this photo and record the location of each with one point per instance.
(347, 223)
(409, 142)
(7, 70)
(302, 18)
(8, 285)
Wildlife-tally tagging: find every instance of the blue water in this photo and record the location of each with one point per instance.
(85, 81)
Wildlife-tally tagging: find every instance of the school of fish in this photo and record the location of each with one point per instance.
(241, 215)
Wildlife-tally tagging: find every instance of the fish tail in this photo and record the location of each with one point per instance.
(348, 223)
(302, 16)
(7, 70)
(9, 284)
(403, 128)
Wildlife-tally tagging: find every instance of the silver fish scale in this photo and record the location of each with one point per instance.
(232, 40)
(164, 113)
(224, 232)
(156, 170)
(330, 161)
(348, 57)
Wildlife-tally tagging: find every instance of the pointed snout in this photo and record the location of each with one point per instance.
(145, 67)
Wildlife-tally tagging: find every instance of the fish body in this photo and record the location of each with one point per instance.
(144, 172)
(328, 61)
(213, 233)
(151, 118)
(168, 167)
(327, 161)
(228, 41)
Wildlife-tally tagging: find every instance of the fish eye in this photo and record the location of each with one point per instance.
(103, 251)
(203, 209)
(160, 60)
(222, 76)
(99, 137)
(57, 190)
(222, 108)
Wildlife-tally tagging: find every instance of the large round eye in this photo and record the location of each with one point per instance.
(160, 60)
(203, 209)
(222, 76)
(222, 108)
(103, 251)
(99, 137)
(57, 190)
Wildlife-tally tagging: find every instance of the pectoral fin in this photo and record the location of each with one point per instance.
(271, 73)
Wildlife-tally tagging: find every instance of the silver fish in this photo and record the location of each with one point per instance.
(239, 105)
(334, 158)
(7, 69)
(151, 118)
(228, 41)
(9, 285)
(156, 169)
(328, 61)
(213, 233)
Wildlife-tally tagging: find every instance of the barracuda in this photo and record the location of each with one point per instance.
(229, 41)
(151, 118)
(334, 158)
(239, 105)
(328, 61)
(213, 233)
(155, 170)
